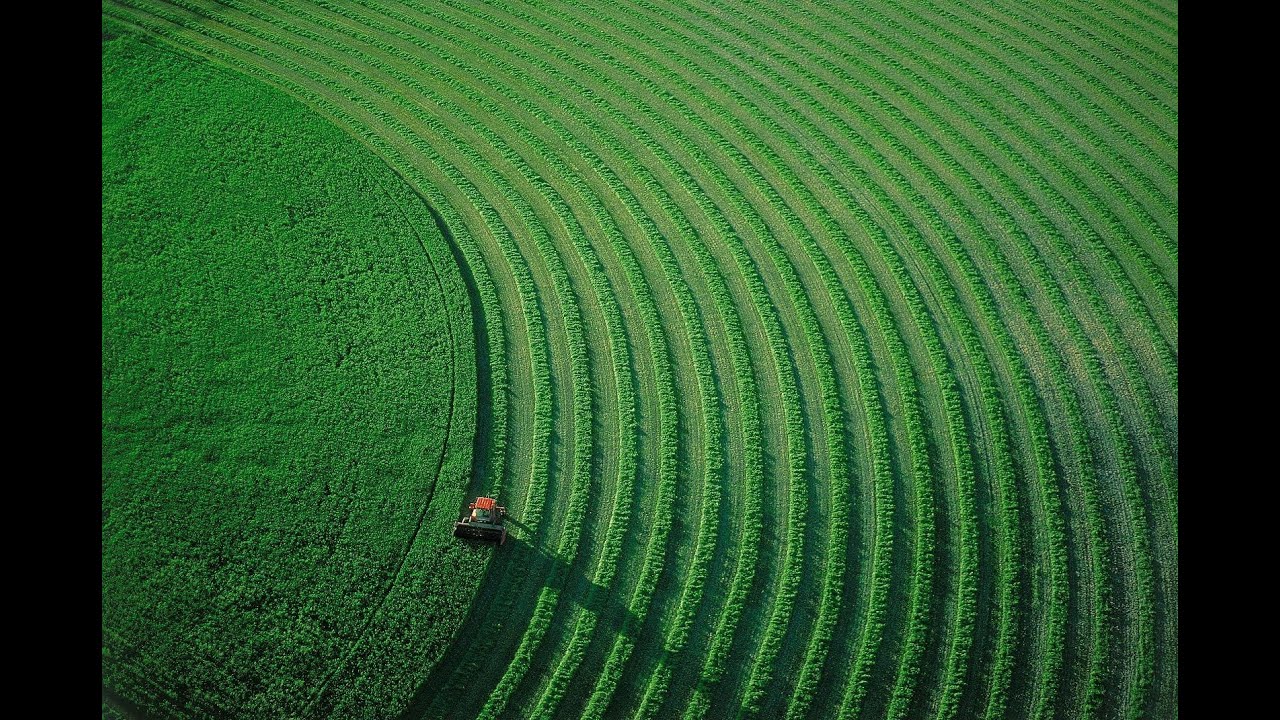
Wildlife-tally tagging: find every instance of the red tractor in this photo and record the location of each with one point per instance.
(484, 522)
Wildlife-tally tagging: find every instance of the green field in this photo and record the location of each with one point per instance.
(288, 403)
(825, 354)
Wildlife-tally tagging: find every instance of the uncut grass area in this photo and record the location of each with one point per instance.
(826, 356)
(288, 405)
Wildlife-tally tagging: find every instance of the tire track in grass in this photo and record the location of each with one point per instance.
(435, 478)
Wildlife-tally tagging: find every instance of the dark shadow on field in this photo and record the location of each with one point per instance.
(516, 523)
(581, 590)
(548, 571)
(117, 706)
(480, 335)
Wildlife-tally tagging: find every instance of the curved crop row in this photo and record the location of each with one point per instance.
(1133, 28)
(1094, 205)
(1060, 575)
(1148, 269)
(1125, 352)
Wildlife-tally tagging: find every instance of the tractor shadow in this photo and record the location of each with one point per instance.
(496, 607)
(578, 588)
(574, 581)
(516, 523)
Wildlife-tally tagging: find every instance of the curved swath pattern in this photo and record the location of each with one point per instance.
(833, 346)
